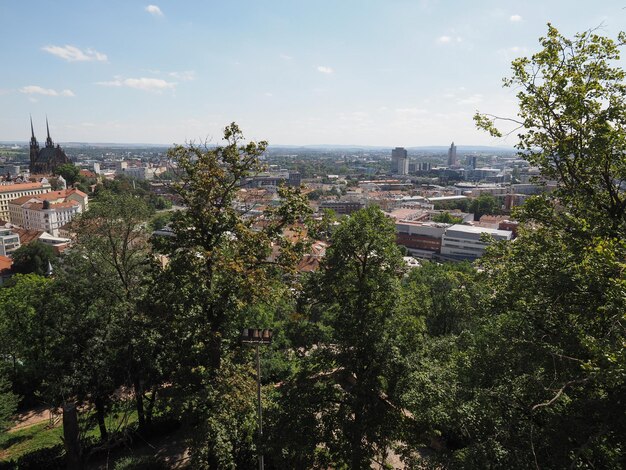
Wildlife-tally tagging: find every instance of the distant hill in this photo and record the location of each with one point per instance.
(373, 148)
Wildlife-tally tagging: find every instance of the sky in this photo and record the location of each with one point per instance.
(293, 72)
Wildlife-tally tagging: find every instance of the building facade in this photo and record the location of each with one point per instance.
(465, 241)
(452, 158)
(9, 242)
(47, 212)
(399, 161)
(11, 191)
(342, 207)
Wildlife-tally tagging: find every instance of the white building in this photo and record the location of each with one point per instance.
(9, 242)
(139, 173)
(10, 191)
(464, 241)
(48, 212)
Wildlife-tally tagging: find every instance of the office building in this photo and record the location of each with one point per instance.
(452, 160)
(464, 241)
(399, 161)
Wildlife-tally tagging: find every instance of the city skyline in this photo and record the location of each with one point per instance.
(383, 74)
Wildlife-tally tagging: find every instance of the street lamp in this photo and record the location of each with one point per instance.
(257, 337)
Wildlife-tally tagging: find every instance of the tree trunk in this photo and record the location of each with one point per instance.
(215, 351)
(70, 437)
(100, 414)
(141, 419)
(356, 444)
(150, 406)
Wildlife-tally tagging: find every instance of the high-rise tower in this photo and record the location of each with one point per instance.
(452, 161)
(399, 161)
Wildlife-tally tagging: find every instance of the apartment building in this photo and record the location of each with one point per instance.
(11, 191)
(47, 212)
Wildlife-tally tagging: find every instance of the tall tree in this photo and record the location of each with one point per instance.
(24, 332)
(537, 380)
(8, 402)
(572, 124)
(219, 264)
(341, 392)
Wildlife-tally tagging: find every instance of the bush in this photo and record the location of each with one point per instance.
(145, 462)
(49, 458)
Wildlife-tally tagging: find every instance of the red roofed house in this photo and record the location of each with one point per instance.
(12, 191)
(47, 212)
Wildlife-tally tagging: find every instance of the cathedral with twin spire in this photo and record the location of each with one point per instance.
(45, 160)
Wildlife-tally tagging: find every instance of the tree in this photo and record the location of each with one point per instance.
(572, 124)
(485, 204)
(69, 172)
(112, 246)
(220, 264)
(341, 392)
(537, 379)
(447, 218)
(8, 403)
(24, 334)
(33, 258)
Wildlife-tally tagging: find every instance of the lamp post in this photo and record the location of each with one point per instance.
(257, 337)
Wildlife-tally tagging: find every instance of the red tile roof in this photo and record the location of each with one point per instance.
(5, 263)
(19, 187)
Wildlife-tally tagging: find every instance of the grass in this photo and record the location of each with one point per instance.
(24, 441)
(39, 436)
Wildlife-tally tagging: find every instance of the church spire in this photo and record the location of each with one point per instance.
(33, 140)
(48, 139)
(34, 145)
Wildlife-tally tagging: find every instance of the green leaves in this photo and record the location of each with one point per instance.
(572, 118)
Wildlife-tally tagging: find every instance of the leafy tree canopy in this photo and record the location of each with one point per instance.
(33, 258)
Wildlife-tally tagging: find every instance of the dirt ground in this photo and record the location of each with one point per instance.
(35, 416)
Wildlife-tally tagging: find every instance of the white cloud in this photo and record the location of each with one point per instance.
(154, 10)
(37, 90)
(155, 85)
(285, 57)
(269, 94)
(74, 54)
(325, 69)
(449, 39)
(515, 18)
(411, 111)
(473, 99)
(511, 53)
(185, 76)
